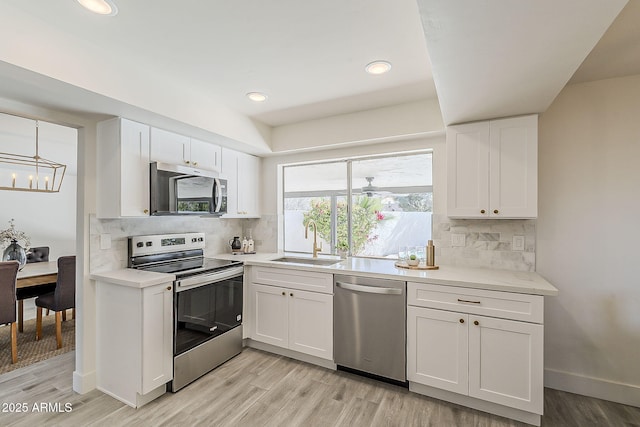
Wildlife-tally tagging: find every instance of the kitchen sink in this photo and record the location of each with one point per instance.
(308, 261)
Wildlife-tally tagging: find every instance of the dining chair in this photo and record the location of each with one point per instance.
(61, 299)
(8, 277)
(37, 254)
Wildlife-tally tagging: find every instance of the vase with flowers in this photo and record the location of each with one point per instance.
(12, 237)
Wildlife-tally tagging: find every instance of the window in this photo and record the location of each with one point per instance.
(390, 205)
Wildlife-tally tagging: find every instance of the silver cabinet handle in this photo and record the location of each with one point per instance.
(369, 289)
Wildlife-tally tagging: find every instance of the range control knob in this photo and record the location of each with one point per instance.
(139, 244)
(200, 239)
(149, 243)
(193, 240)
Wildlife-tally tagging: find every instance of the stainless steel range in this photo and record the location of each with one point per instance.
(207, 324)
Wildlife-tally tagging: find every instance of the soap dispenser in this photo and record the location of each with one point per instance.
(250, 243)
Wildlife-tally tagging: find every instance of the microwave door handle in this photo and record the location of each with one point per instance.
(217, 195)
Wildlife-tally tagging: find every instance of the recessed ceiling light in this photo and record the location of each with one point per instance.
(257, 96)
(101, 7)
(378, 67)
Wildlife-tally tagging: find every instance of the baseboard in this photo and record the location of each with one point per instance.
(480, 405)
(290, 353)
(627, 394)
(84, 383)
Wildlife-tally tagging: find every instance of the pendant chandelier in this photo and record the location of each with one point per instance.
(30, 173)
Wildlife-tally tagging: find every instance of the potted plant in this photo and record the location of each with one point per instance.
(342, 248)
(413, 260)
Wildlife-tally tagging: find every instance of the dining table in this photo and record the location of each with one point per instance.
(32, 275)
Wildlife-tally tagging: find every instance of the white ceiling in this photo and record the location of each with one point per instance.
(197, 58)
(617, 54)
(308, 57)
(497, 58)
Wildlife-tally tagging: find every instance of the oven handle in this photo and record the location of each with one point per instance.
(207, 279)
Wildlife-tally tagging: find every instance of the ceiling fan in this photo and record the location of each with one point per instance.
(370, 189)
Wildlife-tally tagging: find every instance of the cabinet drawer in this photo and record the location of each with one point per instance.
(294, 279)
(505, 305)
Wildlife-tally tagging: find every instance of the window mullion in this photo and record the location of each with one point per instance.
(349, 210)
(334, 223)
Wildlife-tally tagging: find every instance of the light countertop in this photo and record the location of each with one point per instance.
(479, 278)
(133, 278)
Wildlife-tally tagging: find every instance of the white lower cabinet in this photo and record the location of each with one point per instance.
(134, 340)
(438, 349)
(506, 362)
(486, 358)
(292, 318)
(270, 315)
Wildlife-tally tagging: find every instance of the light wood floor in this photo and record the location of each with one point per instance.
(260, 389)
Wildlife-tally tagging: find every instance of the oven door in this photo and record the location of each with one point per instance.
(206, 305)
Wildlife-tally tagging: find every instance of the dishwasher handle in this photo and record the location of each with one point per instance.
(369, 289)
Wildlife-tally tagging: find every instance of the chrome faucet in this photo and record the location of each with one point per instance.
(316, 248)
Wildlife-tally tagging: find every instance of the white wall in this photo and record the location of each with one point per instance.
(49, 219)
(588, 235)
(392, 123)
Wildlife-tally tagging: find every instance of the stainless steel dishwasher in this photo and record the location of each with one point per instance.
(369, 326)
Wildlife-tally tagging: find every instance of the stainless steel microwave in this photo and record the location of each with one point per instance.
(181, 190)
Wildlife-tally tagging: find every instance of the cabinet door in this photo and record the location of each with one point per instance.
(248, 182)
(514, 167)
(205, 155)
(134, 181)
(311, 323)
(169, 147)
(437, 348)
(242, 172)
(230, 173)
(506, 362)
(468, 170)
(157, 336)
(270, 315)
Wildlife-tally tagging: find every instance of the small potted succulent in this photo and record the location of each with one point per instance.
(413, 260)
(343, 249)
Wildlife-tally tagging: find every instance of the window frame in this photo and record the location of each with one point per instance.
(333, 194)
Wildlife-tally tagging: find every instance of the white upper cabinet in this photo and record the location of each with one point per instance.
(205, 155)
(242, 172)
(492, 169)
(248, 182)
(122, 169)
(169, 147)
